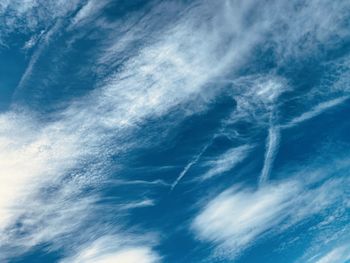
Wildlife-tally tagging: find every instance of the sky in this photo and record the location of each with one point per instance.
(174, 131)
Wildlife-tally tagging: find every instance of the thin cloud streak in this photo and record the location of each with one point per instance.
(226, 161)
(315, 111)
(54, 153)
(111, 249)
(188, 167)
(339, 254)
(164, 75)
(272, 145)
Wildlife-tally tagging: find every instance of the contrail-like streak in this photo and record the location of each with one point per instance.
(271, 150)
(274, 133)
(315, 111)
(188, 166)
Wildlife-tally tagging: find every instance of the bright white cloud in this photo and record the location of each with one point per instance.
(226, 161)
(272, 145)
(110, 249)
(88, 12)
(339, 254)
(37, 155)
(257, 97)
(240, 216)
(315, 111)
(28, 16)
(175, 69)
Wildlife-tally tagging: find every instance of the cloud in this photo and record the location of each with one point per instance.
(240, 216)
(257, 98)
(42, 41)
(315, 111)
(110, 249)
(46, 165)
(87, 13)
(339, 254)
(189, 165)
(272, 145)
(29, 16)
(226, 161)
(301, 29)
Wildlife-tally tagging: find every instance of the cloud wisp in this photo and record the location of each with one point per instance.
(188, 166)
(49, 164)
(239, 217)
(226, 161)
(73, 149)
(271, 151)
(339, 254)
(110, 249)
(315, 111)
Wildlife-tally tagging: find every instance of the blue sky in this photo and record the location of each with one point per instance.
(174, 131)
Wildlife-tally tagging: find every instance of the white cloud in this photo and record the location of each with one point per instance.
(257, 97)
(237, 218)
(272, 145)
(29, 16)
(189, 165)
(315, 111)
(301, 31)
(173, 70)
(88, 12)
(226, 161)
(71, 149)
(42, 41)
(110, 249)
(339, 254)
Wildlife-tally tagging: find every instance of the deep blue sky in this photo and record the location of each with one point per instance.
(174, 131)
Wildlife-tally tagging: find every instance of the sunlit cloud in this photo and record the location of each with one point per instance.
(110, 249)
(172, 59)
(239, 217)
(226, 161)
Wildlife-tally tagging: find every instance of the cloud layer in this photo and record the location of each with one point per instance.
(170, 60)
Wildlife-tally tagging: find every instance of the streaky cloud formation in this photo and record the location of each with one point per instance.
(315, 111)
(241, 216)
(338, 254)
(226, 161)
(80, 133)
(108, 105)
(188, 166)
(271, 150)
(110, 249)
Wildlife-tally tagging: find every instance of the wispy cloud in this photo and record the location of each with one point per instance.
(189, 165)
(43, 41)
(87, 13)
(72, 150)
(272, 145)
(257, 98)
(110, 249)
(226, 161)
(315, 111)
(29, 16)
(46, 166)
(339, 254)
(240, 216)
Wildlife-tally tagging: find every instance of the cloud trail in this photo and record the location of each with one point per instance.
(111, 249)
(227, 161)
(339, 254)
(47, 165)
(315, 111)
(74, 148)
(188, 167)
(272, 144)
